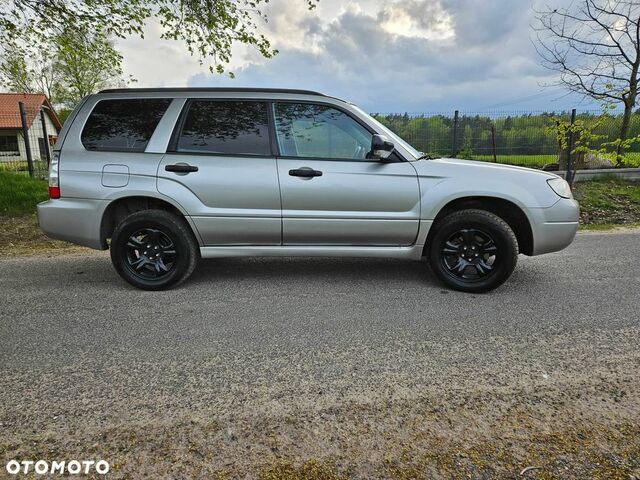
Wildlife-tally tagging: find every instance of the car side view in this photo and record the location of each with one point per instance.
(164, 177)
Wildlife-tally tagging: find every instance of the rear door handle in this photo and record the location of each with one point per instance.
(305, 172)
(181, 168)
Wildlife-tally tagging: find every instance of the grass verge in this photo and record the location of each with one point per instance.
(607, 203)
(19, 232)
(20, 194)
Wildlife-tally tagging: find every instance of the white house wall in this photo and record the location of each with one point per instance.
(34, 133)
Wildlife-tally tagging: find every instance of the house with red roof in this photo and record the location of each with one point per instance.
(12, 141)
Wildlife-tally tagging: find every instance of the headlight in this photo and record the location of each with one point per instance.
(561, 187)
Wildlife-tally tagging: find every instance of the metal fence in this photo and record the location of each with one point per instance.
(26, 142)
(518, 138)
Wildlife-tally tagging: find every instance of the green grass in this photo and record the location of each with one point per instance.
(40, 167)
(20, 194)
(608, 201)
(632, 159)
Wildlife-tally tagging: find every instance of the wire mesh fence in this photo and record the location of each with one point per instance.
(517, 138)
(26, 141)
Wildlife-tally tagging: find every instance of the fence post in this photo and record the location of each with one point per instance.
(47, 153)
(570, 173)
(493, 142)
(25, 136)
(454, 149)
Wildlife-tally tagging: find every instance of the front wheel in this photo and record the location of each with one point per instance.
(154, 250)
(473, 251)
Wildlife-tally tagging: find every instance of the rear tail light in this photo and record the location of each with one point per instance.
(54, 176)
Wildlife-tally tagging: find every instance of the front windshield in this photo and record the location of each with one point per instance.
(391, 134)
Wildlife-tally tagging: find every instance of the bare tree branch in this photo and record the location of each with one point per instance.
(594, 45)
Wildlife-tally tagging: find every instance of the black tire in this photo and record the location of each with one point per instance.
(154, 250)
(473, 251)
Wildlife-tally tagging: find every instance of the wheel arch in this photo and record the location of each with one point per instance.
(511, 213)
(121, 207)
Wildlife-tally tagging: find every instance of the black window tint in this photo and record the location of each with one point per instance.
(123, 125)
(239, 128)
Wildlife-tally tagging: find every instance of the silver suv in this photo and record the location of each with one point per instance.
(164, 177)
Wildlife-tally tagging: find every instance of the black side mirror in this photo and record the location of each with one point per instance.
(381, 147)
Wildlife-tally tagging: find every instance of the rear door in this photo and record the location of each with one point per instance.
(333, 193)
(219, 167)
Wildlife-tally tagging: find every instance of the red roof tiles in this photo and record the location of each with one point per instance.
(10, 113)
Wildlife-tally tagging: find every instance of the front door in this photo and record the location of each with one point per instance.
(220, 169)
(332, 192)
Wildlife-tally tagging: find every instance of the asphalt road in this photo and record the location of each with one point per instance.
(250, 342)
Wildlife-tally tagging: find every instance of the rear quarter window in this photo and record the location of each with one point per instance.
(124, 125)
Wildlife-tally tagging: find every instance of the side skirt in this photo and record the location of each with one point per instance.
(413, 252)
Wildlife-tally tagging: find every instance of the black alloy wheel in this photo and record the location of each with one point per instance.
(472, 250)
(154, 249)
(469, 254)
(150, 253)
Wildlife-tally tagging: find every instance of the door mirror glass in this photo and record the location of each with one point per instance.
(381, 147)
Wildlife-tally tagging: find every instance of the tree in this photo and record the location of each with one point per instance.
(466, 150)
(30, 73)
(85, 63)
(595, 47)
(208, 27)
(77, 64)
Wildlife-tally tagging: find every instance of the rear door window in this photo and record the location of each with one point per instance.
(225, 127)
(124, 125)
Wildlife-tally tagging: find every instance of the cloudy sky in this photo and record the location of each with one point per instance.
(386, 56)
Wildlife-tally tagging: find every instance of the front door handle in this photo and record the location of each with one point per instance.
(181, 168)
(305, 172)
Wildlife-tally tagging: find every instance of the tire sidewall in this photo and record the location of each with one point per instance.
(502, 236)
(137, 222)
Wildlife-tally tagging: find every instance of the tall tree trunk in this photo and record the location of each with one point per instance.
(629, 103)
(624, 130)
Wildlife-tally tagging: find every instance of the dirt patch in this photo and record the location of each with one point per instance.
(558, 432)
(22, 236)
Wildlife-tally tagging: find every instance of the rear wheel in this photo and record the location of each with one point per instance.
(473, 250)
(154, 250)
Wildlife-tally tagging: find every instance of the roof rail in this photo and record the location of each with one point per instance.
(213, 89)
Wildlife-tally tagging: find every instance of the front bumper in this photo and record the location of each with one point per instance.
(73, 220)
(554, 228)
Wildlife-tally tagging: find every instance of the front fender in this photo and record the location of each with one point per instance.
(436, 193)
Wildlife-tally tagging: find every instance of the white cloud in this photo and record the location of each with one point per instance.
(155, 62)
(412, 18)
(409, 55)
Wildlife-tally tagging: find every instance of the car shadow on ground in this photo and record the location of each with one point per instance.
(340, 269)
(304, 272)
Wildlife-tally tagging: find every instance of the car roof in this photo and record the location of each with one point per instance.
(214, 89)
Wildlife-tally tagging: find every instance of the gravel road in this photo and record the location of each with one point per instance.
(363, 368)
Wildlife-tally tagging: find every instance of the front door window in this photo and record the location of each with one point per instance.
(306, 130)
